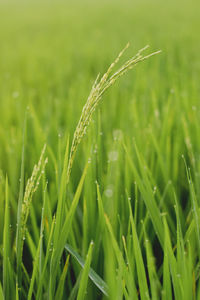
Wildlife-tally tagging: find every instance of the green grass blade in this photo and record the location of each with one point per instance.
(85, 228)
(74, 290)
(194, 202)
(6, 245)
(96, 279)
(176, 277)
(59, 292)
(63, 235)
(144, 291)
(114, 244)
(48, 254)
(131, 278)
(167, 287)
(35, 270)
(61, 198)
(17, 292)
(195, 209)
(153, 279)
(148, 196)
(84, 278)
(1, 292)
(123, 272)
(100, 226)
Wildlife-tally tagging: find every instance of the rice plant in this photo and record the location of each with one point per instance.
(97, 91)
(114, 214)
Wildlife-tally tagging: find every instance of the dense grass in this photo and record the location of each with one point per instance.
(127, 224)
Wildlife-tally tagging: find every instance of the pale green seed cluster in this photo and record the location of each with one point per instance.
(98, 89)
(31, 187)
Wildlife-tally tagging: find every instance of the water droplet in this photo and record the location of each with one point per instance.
(109, 191)
(156, 113)
(113, 156)
(15, 94)
(117, 134)
(172, 91)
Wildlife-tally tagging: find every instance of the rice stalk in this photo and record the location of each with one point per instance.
(98, 89)
(31, 187)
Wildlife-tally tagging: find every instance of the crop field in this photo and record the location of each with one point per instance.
(99, 180)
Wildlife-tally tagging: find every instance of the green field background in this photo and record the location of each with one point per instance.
(50, 55)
